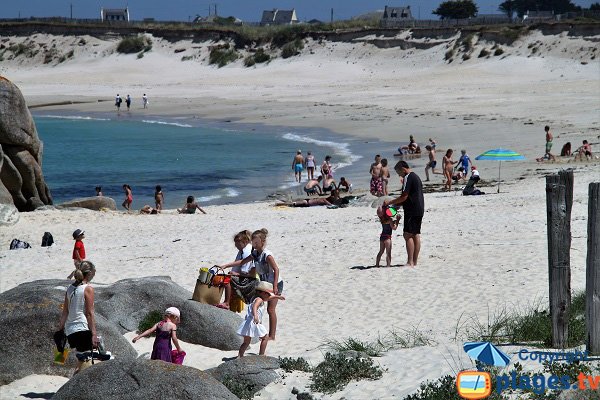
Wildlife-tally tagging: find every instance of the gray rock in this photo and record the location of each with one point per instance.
(92, 203)
(579, 395)
(126, 302)
(20, 152)
(142, 380)
(256, 370)
(32, 312)
(9, 215)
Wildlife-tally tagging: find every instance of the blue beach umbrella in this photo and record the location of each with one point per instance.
(500, 155)
(487, 353)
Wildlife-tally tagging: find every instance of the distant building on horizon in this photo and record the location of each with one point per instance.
(114, 14)
(279, 17)
(538, 16)
(395, 16)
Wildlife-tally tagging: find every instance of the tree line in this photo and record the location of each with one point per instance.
(460, 9)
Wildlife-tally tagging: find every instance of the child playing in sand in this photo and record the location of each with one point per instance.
(159, 198)
(166, 330)
(78, 251)
(242, 243)
(267, 268)
(128, 197)
(385, 239)
(252, 326)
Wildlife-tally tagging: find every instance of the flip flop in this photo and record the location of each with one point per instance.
(222, 305)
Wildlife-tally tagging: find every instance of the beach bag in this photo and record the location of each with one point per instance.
(236, 304)
(207, 294)
(18, 244)
(47, 239)
(244, 287)
(177, 356)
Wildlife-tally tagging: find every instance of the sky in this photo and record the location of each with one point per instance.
(246, 10)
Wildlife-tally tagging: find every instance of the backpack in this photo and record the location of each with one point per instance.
(47, 239)
(18, 244)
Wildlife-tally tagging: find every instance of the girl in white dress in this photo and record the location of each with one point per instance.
(252, 326)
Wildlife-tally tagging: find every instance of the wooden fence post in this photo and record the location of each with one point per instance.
(592, 272)
(559, 270)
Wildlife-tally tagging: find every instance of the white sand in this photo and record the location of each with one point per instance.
(478, 254)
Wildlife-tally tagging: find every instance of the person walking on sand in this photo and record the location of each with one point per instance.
(413, 204)
(252, 326)
(268, 270)
(464, 160)
(385, 238)
(118, 101)
(159, 198)
(77, 318)
(385, 176)
(376, 184)
(549, 139)
(166, 331)
(326, 168)
(298, 165)
(432, 162)
(145, 100)
(310, 164)
(128, 102)
(78, 251)
(128, 197)
(448, 165)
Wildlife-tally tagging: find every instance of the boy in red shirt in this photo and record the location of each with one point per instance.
(78, 250)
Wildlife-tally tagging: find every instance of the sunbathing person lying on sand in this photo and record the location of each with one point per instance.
(328, 201)
(147, 209)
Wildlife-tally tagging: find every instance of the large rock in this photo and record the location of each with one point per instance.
(92, 203)
(30, 314)
(20, 152)
(126, 302)
(142, 380)
(254, 371)
(9, 215)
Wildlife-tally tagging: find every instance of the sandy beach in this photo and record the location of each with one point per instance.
(479, 253)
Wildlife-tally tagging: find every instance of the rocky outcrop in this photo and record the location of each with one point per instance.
(141, 380)
(96, 203)
(254, 372)
(8, 215)
(21, 179)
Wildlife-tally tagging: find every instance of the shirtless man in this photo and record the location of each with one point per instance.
(312, 186)
(298, 165)
(376, 186)
(385, 175)
(432, 163)
(329, 184)
(549, 144)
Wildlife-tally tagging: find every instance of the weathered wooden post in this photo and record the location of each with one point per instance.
(559, 245)
(592, 272)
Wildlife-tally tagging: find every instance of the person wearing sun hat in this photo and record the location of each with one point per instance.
(78, 250)
(252, 327)
(166, 330)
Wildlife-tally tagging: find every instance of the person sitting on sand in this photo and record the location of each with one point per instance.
(190, 207)
(566, 150)
(329, 184)
(584, 150)
(344, 185)
(147, 209)
(312, 186)
(459, 175)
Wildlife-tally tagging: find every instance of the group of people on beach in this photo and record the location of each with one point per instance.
(585, 150)
(119, 101)
(300, 163)
(253, 263)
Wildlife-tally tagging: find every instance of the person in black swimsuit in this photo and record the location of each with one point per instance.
(388, 225)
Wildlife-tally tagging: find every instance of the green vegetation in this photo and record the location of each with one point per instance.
(483, 53)
(140, 55)
(243, 389)
(292, 48)
(152, 318)
(337, 370)
(499, 51)
(289, 364)
(449, 55)
(27, 49)
(222, 55)
(134, 44)
(456, 9)
(259, 56)
(187, 58)
(442, 389)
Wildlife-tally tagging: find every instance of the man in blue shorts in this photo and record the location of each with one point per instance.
(413, 204)
(298, 165)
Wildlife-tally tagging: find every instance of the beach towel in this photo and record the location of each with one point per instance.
(19, 244)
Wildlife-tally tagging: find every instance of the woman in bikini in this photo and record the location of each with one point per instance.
(128, 197)
(448, 167)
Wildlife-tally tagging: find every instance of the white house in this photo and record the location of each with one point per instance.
(114, 14)
(279, 17)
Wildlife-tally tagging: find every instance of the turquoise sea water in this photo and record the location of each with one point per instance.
(184, 156)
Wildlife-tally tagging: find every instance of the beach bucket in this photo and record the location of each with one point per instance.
(177, 356)
(207, 294)
(203, 277)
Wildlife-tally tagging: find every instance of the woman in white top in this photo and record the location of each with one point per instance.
(268, 270)
(311, 163)
(77, 318)
(242, 243)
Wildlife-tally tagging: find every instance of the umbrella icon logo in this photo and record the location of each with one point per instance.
(486, 353)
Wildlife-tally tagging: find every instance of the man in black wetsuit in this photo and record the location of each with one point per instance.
(414, 208)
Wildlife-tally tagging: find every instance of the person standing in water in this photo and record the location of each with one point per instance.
(298, 165)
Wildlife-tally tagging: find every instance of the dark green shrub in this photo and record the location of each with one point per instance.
(152, 318)
(289, 364)
(466, 57)
(133, 44)
(337, 370)
(242, 388)
(187, 58)
(140, 55)
(287, 35)
(351, 344)
(260, 56)
(23, 48)
(292, 48)
(222, 56)
(442, 389)
(483, 53)
(249, 61)
(449, 55)
(498, 51)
